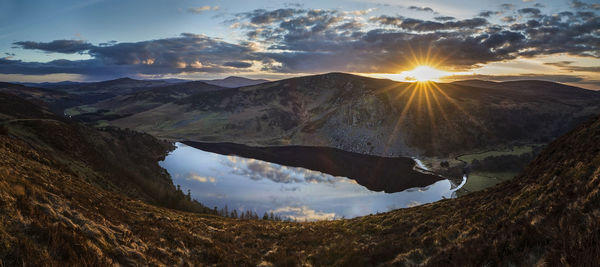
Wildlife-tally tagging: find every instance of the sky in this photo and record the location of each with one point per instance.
(91, 40)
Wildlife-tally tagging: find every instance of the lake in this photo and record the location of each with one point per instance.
(296, 193)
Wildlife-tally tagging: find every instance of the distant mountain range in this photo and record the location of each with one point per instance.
(353, 113)
(230, 82)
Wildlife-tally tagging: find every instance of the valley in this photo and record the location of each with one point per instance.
(62, 204)
(313, 133)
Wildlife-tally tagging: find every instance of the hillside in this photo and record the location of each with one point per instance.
(54, 213)
(113, 159)
(373, 116)
(56, 101)
(127, 104)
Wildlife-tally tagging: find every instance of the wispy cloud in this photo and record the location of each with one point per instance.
(202, 9)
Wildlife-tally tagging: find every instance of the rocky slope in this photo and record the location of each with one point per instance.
(52, 214)
(373, 116)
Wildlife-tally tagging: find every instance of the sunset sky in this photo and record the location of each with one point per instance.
(90, 40)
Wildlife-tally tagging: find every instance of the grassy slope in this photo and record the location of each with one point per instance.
(549, 213)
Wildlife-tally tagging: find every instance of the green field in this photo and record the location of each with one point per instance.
(515, 150)
(74, 111)
(482, 180)
(479, 180)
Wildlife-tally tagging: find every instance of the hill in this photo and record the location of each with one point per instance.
(235, 81)
(58, 209)
(373, 116)
(127, 104)
(113, 159)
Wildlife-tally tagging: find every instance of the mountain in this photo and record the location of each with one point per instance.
(55, 100)
(49, 84)
(74, 195)
(93, 92)
(234, 81)
(142, 100)
(373, 116)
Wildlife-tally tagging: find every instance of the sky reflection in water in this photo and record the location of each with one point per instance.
(297, 193)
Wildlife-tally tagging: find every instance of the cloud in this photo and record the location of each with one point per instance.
(201, 179)
(202, 9)
(303, 213)
(444, 18)
(187, 53)
(533, 12)
(567, 65)
(582, 5)
(426, 25)
(425, 9)
(238, 64)
(298, 40)
(488, 13)
(262, 16)
(526, 76)
(509, 19)
(57, 46)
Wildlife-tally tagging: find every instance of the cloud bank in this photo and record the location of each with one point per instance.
(298, 40)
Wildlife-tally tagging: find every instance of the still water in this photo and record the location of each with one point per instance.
(296, 193)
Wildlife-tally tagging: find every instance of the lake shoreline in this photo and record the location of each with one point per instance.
(376, 173)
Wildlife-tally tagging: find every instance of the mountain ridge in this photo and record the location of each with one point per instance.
(347, 111)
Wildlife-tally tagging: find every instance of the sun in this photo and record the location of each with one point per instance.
(424, 73)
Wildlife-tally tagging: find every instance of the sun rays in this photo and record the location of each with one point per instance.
(427, 104)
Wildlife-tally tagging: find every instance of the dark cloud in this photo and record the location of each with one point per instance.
(487, 13)
(425, 9)
(427, 25)
(507, 6)
(530, 10)
(262, 16)
(444, 18)
(57, 46)
(582, 5)
(186, 53)
(238, 64)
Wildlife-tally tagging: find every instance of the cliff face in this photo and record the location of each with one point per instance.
(64, 207)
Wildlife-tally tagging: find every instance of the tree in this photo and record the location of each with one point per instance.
(189, 195)
(234, 214)
(266, 216)
(271, 216)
